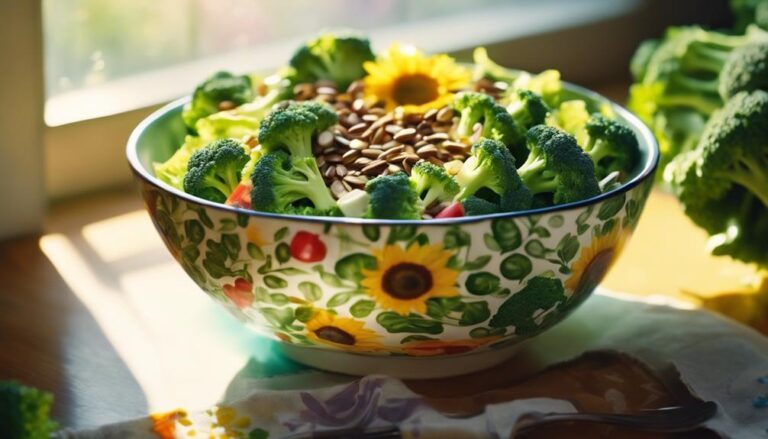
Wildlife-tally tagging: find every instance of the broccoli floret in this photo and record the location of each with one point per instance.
(745, 70)
(556, 165)
(490, 173)
(214, 170)
(638, 65)
(293, 126)
(612, 146)
(497, 123)
(24, 412)
(393, 197)
(474, 206)
(528, 109)
(334, 56)
(723, 183)
(747, 12)
(432, 183)
(220, 89)
(286, 184)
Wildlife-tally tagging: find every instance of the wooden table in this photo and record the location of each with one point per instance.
(96, 310)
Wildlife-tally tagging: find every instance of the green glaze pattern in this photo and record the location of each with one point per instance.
(422, 290)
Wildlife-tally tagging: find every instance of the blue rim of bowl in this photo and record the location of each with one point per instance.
(651, 163)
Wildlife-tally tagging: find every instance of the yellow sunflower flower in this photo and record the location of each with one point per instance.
(405, 278)
(595, 260)
(404, 77)
(342, 333)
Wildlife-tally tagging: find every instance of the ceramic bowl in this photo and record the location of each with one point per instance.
(407, 298)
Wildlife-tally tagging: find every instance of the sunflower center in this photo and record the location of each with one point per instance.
(595, 270)
(415, 89)
(335, 335)
(407, 281)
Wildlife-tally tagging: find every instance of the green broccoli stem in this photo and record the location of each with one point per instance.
(753, 175)
(224, 182)
(317, 191)
(597, 150)
(699, 103)
(534, 175)
(696, 84)
(466, 123)
(299, 144)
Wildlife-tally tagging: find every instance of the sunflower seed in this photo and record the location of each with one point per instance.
(346, 186)
(376, 147)
(358, 128)
(330, 150)
(393, 169)
(378, 136)
(412, 158)
(430, 115)
(391, 144)
(330, 172)
(325, 138)
(343, 141)
(427, 151)
(374, 167)
(420, 143)
(341, 170)
(424, 128)
(435, 161)
(405, 135)
(406, 166)
(355, 181)
(412, 118)
(378, 124)
(370, 153)
(437, 137)
(355, 87)
(362, 161)
(377, 111)
(333, 158)
(392, 152)
(326, 90)
(350, 156)
(394, 158)
(358, 144)
(370, 117)
(445, 114)
(320, 161)
(337, 188)
(393, 129)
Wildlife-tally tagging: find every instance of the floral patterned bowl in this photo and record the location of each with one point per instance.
(408, 298)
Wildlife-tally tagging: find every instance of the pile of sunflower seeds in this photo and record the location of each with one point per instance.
(369, 141)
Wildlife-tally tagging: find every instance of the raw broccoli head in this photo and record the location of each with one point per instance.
(497, 123)
(723, 183)
(546, 84)
(24, 412)
(293, 126)
(490, 173)
(528, 109)
(221, 87)
(284, 184)
(474, 206)
(432, 183)
(337, 57)
(745, 70)
(393, 197)
(214, 170)
(612, 146)
(558, 167)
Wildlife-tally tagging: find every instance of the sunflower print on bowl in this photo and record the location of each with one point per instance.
(405, 278)
(415, 290)
(342, 333)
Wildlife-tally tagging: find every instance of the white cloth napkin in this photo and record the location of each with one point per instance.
(717, 359)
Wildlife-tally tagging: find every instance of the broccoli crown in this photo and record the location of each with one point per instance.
(293, 126)
(334, 56)
(546, 84)
(571, 116)
(490, 173)
(497, 123)
(611, 145)
(214, 170)
(393, 197)
(528, 109)
(432, 183)
(556, 165)
(474, 206)
(723, 183)
(24, 412)
(221, 87)
(284, 184)
(745, 70)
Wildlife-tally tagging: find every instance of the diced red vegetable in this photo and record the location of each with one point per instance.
(453, 210)
(241, 196)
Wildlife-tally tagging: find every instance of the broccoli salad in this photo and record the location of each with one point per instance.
(344, 131)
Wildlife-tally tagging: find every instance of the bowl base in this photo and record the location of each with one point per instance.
(400, 367)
